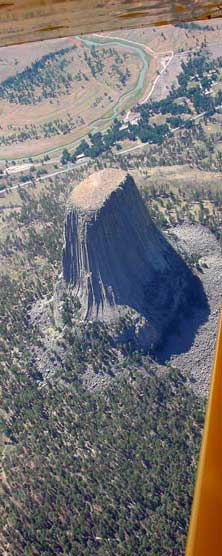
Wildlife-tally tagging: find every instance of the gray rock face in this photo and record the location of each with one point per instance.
(115, 260)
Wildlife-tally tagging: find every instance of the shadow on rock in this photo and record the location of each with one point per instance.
(180, 334)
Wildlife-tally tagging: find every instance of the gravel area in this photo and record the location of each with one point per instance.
(193, 354)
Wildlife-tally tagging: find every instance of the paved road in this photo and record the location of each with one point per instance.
(43, 178)
(81, 163)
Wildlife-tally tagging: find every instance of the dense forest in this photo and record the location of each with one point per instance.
(102, 473)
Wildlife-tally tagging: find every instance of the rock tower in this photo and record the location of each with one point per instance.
(115, 260)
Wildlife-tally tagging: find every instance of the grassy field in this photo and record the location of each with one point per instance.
(97, 81)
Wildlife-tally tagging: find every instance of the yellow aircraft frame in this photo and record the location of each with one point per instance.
(32, 20)
(205, 530)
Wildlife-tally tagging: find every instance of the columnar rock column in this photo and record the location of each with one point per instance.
(114, 257)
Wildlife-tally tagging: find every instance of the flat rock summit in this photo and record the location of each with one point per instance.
(117, 263)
